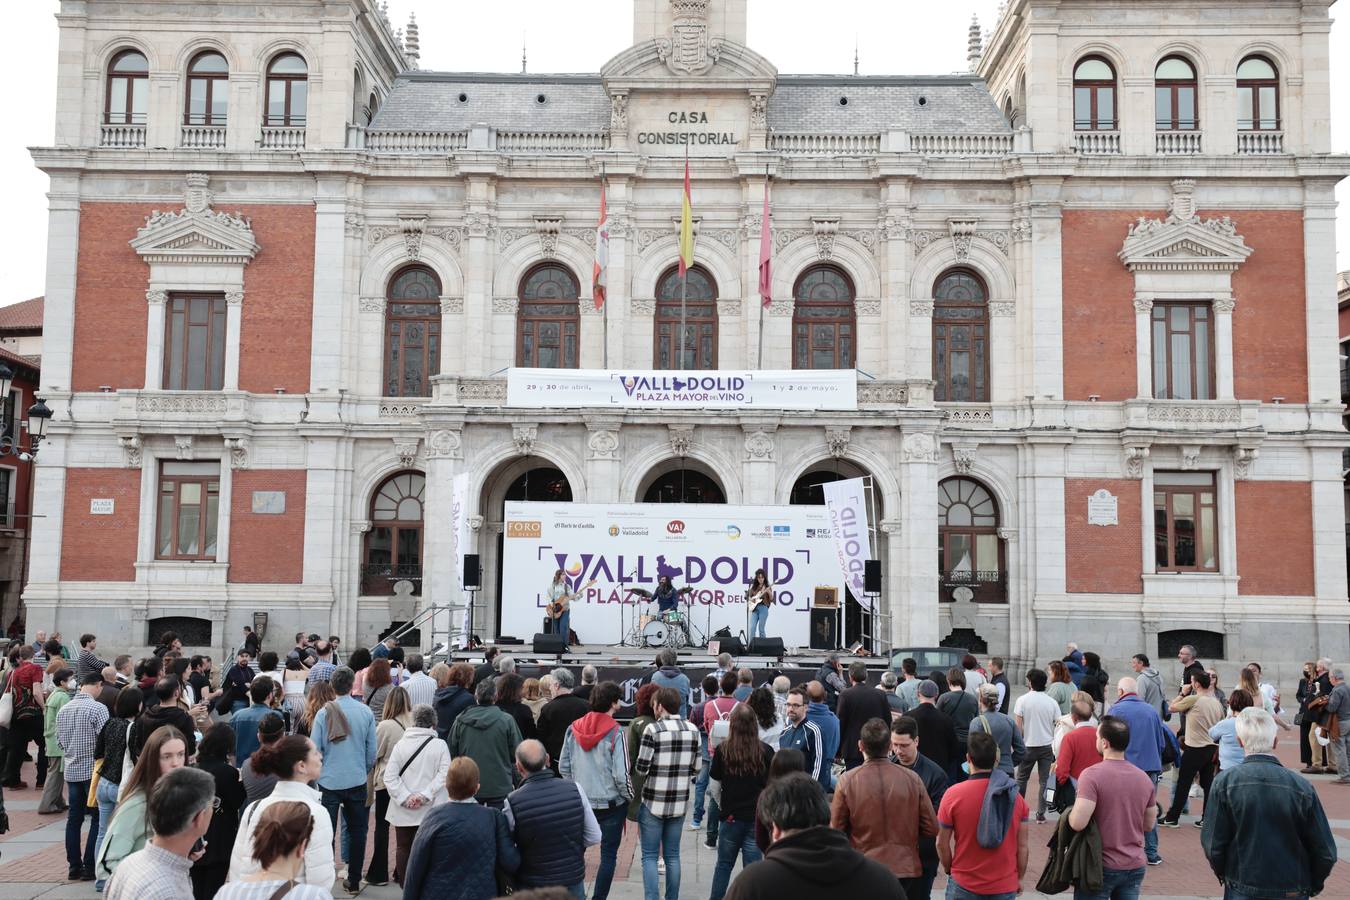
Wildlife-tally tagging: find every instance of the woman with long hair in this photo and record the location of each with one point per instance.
(785, 762)
(1060, 689)
(643, 715)
(1094, 679)
(358, 662)
(760, 598)
(208, 872)
(771, 724)
(280, 840)
(293, 679)
(397, 719)
(378, 685)
(321, 693)
(111, 747)
(164, 751)
(1306, 693)
(532, 698)
(296, 762)
(741, 765)
(510, 688)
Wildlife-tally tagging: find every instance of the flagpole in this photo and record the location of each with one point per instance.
(604, 321)
(759, 362)
(684, 274)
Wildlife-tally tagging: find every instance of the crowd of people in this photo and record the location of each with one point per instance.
(259, 783)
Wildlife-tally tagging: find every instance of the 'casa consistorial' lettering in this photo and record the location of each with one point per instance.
(681, 136)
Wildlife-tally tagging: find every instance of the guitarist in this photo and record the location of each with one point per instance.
(760, 598)
(559, 598)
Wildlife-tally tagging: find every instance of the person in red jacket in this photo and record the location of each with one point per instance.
(1079, 747)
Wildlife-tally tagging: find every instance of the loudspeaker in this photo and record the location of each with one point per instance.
(872, 576)
(731, 645)
(768, 646)
(824, 629)
(472, 575)
(550, 644)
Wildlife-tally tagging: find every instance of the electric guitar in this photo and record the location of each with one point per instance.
(761, 597)
(560, 606)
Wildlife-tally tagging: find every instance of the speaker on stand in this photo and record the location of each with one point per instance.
(872, 589)
(473, 582)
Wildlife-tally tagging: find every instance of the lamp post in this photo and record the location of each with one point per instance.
(38, 416)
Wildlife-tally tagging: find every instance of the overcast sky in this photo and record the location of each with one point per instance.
(906, 37)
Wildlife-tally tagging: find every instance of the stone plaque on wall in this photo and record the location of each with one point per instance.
(102, 506)
(1102, 508)
(269, 503)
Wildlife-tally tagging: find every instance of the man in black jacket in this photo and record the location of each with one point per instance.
(937, 732)
(558, 714)
(165, 712)
(808, 859)
(857, 705)
(552, 822)
(905, 752)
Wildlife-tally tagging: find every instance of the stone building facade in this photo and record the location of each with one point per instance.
(1089, 290)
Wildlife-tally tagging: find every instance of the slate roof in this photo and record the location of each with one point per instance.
(429, 101)
(23, 316)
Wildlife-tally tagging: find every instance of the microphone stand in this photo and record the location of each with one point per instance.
(623, 596)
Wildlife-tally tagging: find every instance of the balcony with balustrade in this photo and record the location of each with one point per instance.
(378, 579)
(1178, 143)
(1096, 143)
(1260, 143)
(122, 137)
(966, 585)
(202, 137)
(282, 137)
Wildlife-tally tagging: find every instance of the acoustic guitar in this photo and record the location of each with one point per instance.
(555, 609)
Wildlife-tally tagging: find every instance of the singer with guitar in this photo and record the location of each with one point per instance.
(559, 609)
(760, 598)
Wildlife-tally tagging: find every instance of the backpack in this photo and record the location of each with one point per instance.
(26, 707)
(720, 730)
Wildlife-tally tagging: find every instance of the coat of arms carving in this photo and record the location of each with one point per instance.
(688, 50)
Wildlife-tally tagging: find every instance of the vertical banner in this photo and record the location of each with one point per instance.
(846, 504)
(459, 489)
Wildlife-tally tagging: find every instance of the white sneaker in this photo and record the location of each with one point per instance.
(661, 866)
(1195, 793)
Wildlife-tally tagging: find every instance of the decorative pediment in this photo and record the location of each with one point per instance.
(1183, 241)
(652, 63)
(196, 234)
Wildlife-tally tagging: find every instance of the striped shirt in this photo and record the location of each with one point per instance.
(88, 662)
(668, 756)
(805, 736)
(421, 688)
(77, 728)
(151, 873)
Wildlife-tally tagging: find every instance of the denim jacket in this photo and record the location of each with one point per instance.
(602, 771)
(1265, 833)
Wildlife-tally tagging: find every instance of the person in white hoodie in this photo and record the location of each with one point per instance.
(415, 778)
(1150, 685)
(296, 762)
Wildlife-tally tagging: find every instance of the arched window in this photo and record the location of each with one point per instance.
(1094, 95)
(372, 107)
(287, 91)
(1174, 94)
(684, 486)
(960, 338)
(208, 90)
(548, 324)
(128, 89)
(700, 321)
(824, 320)
(412, 333)
(1258, 95)
(394, 543)
(360, 113)
(970, 552)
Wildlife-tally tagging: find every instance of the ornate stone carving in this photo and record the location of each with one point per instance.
(237, 447)
(181, 404)
(837, 439)
(1183, 241)
(392, 409)
(642, 307)
(1135, 457)
(689, 50)
(867, 308)
(489, 390)
(1003, 308)
(865, 236)
(728, 307)
(378, 233)
(825, 228)
(406, 451)
(963, 458)
(524, 436)
(1021, 229)
(966, 415)
(451, 234)
(183, 447)
(784, 236)
(131, 450)
(919, 447)
(354, 224)
(478, 225)
(413, 228)
(681, 437)
(603, 443)
(361, 526)
(548, 228)
(196, 233)
(507, 305)
(475, 523)
(1216, 415)
(1243, 459)
(452, 306)
(372, 304)
(156, 298)
(963, 233)
(444, 444)
(780, 308)
(759, 112)
(234, 298)
(508, 236)
(618, 111)
(882, 393)
(1008, 534)
(1143, 305)
(1224, 305)
(921, 308)
(1190, 456)
(758, 445)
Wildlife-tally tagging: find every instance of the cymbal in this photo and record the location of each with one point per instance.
(685, 590)
(640, 592)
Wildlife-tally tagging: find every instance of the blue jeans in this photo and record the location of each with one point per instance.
(562, 625)
(577, 890)
(106, 794)
(701, 783)
(1230, 894)
(734, 837)
(356, 817)
(1117, 884)
(759, 617)
(956, 892)
(1151, 837)
(660, 836)
(76, 794)
(611, 834)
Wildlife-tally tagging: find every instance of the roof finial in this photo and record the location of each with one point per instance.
(855, 53)
(412, 48)
(522, 53)
(975, 46)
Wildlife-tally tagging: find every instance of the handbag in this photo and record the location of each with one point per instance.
(6, 709)
(92, 799)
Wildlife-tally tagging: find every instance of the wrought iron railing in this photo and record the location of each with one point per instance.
(984, 587)
(378, 579)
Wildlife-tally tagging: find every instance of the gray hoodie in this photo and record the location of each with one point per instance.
(1151, 691)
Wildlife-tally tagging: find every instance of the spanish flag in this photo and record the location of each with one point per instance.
(686, 222)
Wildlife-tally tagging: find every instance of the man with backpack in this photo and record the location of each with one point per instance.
(26, 723)
(717, 725)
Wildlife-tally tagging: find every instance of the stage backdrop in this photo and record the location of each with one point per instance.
(713, 548)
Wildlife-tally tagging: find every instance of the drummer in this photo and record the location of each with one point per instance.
(666, 597)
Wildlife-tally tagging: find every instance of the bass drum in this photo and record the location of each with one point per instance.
(654, 634)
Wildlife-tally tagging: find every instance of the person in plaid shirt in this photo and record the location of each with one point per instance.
(667, 758)
(77, 728)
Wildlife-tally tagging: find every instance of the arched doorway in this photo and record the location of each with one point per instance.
(970, 551)
(807, 490)
(681, 481)
(530, 479)
(392, 551)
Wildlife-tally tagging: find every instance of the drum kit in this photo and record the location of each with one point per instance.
(673, 628)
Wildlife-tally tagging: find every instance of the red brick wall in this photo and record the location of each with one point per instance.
(1344, 317)
(100, 548)
(1275, 538)
(110, 307)
(267, 549)
(1102, 559)
(1269, 332)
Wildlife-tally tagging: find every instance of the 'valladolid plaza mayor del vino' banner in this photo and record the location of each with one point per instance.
(712, 548)
(830, 389)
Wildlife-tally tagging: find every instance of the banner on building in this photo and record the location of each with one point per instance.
(846, 505)
(711, 548)
(459, 489)
(827, 389)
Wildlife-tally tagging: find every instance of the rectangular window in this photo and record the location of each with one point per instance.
(7, 498)
(1183, 351)
(194, 343)
(189, 507)
(12, 406)
(1185, 530)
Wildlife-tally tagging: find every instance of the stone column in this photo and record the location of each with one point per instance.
(918, 623)
(234, 310)
(63, 245)
(478, 264)
(1143, 345)
(1319, 264)
(1223, 347)
(327, 487)
(1047, 316)
(1003, 351)
(604, 462)
(919, 364)
(244, 122)
(330, 254)
(619, 287)
(154, 340)
(894, 602)
(760, 467)
(440, 580)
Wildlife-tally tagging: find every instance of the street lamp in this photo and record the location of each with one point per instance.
(38, 415)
